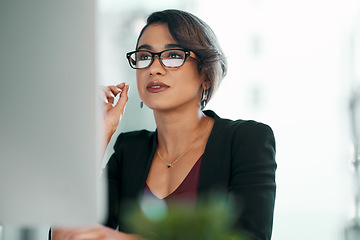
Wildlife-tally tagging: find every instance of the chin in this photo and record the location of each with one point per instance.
(156, 105)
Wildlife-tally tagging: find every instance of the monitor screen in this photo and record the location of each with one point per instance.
(49, 114)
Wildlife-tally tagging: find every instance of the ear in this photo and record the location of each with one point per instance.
(206, 83)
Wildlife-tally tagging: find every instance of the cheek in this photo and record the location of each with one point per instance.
(189, 84)
(191, 77)
(192, 69)
(139, 82)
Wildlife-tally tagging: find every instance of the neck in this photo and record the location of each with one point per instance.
(177, 130)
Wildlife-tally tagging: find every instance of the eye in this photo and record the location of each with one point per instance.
(143, 56)
(174, 55)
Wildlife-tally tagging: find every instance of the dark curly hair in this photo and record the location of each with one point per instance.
(193, 34)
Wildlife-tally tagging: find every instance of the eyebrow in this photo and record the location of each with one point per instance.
(167, 46)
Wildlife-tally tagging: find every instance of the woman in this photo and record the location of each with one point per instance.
(192, 153)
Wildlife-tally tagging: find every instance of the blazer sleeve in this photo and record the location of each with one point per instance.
(114, 183)
(252, 181)
(127, 171)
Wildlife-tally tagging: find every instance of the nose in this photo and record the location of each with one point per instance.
(156, 68)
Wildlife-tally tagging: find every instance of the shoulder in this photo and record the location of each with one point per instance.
(134, 138)
(131, 149)
(240, 128)
(246, 149)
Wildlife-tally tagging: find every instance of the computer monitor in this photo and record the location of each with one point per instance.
(49, 114)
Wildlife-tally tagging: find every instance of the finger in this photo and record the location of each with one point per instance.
(107, 94)
(102, 94)
(107, 106)
(121, 85)
(115, 90)
(107, 91)
(120, 106)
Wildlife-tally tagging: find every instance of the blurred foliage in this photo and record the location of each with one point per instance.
(211, 220)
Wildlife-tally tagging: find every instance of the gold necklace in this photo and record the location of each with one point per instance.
(171, 164)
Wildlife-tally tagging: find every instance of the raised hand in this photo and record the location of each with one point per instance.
(113, 112)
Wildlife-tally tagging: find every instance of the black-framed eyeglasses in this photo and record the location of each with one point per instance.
(170, 58)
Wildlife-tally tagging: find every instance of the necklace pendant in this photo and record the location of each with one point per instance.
(169, 165)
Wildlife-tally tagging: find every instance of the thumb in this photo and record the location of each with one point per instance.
(120, 105)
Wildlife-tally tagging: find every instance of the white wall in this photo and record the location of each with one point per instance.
(298, 81)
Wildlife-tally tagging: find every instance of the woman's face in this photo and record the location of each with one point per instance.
(162, 88)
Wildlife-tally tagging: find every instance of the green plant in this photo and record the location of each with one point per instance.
(211, 220)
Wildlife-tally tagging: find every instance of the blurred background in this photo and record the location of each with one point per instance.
(294, 65)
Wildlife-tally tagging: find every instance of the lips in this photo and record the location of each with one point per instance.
(155, 87)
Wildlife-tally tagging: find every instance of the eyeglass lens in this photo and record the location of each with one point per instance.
(170, 58)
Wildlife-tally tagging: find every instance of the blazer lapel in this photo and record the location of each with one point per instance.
(215, 166)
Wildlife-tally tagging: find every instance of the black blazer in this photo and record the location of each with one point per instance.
(239, 159)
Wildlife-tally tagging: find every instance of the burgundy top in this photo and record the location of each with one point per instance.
(187, 190)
